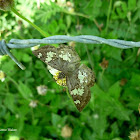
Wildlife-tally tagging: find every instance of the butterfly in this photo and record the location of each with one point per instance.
(64, 64)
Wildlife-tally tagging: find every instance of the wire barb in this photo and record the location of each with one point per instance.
(57, 39)
(5, 51)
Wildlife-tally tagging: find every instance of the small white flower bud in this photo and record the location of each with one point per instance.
(66, 131)
(42, 89)
(33, 104)
(2, 76)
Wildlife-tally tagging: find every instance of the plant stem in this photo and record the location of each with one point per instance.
(82, 15)
(67, 91)
(89, 57)
(24, 18)
(108, 16)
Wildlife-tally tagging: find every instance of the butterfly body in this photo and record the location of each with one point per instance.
(68, 72)
(61, 75)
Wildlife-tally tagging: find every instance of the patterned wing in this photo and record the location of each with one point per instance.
(79, 86)
(47, 54)
(67, 53)
(63, 58)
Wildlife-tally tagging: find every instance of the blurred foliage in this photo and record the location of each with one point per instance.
(113, 109)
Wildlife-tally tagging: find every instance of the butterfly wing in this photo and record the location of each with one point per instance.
(67, 53)
(63, 58)
(47, 54)
(79, 79)
(79, 86)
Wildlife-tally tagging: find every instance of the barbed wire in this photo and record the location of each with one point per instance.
(87, 39)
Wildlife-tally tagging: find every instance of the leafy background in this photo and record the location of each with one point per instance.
(112, 112)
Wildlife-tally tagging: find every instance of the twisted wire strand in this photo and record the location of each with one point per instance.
(88, 39)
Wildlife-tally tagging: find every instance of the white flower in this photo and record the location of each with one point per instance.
(2, 76)
(135, 135)
(33, 104)
(66, 131)
(42, 89)
(96, 116)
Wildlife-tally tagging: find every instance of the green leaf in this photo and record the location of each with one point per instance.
(98, 124)
(93, 8)
(132, 97)
(113, 53)
(25, 91)
(131, 4)
(103, 81)
(68, 20)
(120, 112)
(31, 132)
(2, 111)
(114, 90)
(55, 119)
(10, 102)
(135, 80)
(120, 10)
(109, 105)
(26, 58)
